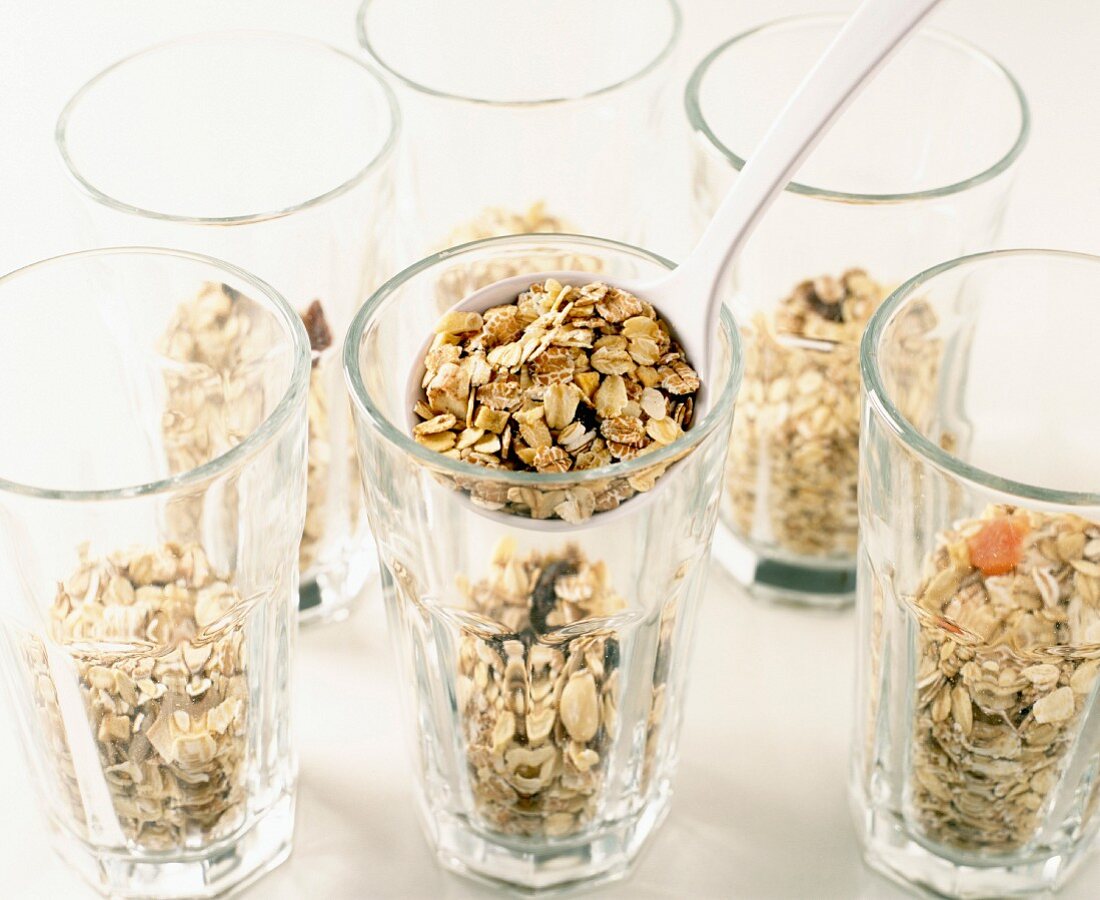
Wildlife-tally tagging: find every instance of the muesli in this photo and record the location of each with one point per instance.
(169, 721)
(564, 379)
(464, 278)
(1009, 646)
(211, 338)
(539, 708)
(794, 449)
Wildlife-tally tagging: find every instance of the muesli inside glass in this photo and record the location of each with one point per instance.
(976, 731)
(149, 609)
(892, 189)
(294, 185)
(543, 614)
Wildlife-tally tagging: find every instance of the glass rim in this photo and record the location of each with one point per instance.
(883, 406)
(255, 440)
(699, 125)
(87, 187)
(662, 55)
(692, 437)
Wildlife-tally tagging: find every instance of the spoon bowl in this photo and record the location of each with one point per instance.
(505, 291)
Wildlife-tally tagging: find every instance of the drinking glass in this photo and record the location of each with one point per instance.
(526, 117)
(148, 622)
(543, 661)
(918, 170)
(977, 739)
(274, 152)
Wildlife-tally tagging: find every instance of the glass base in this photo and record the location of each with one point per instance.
(225, 866)
(331, 593)
(888, 848)
(822, 585)
(551, 867)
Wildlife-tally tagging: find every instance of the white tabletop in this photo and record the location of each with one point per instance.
(760, 809)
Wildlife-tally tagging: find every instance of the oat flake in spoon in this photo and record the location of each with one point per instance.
(565, 378)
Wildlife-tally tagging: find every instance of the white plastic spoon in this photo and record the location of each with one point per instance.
(688, 297)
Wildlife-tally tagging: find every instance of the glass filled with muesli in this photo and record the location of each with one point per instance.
(274, 152)
(148, 609)
(918, 170)
(523, 117)
(544, 508)
(977, 731)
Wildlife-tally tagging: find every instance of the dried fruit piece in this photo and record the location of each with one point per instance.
(320, 335)
(544, 596)
(998, 547)
(490, 419)
(587, 382)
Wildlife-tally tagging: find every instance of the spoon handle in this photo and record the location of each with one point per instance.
(870, 36)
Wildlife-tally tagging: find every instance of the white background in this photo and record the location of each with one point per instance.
(760, 810)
